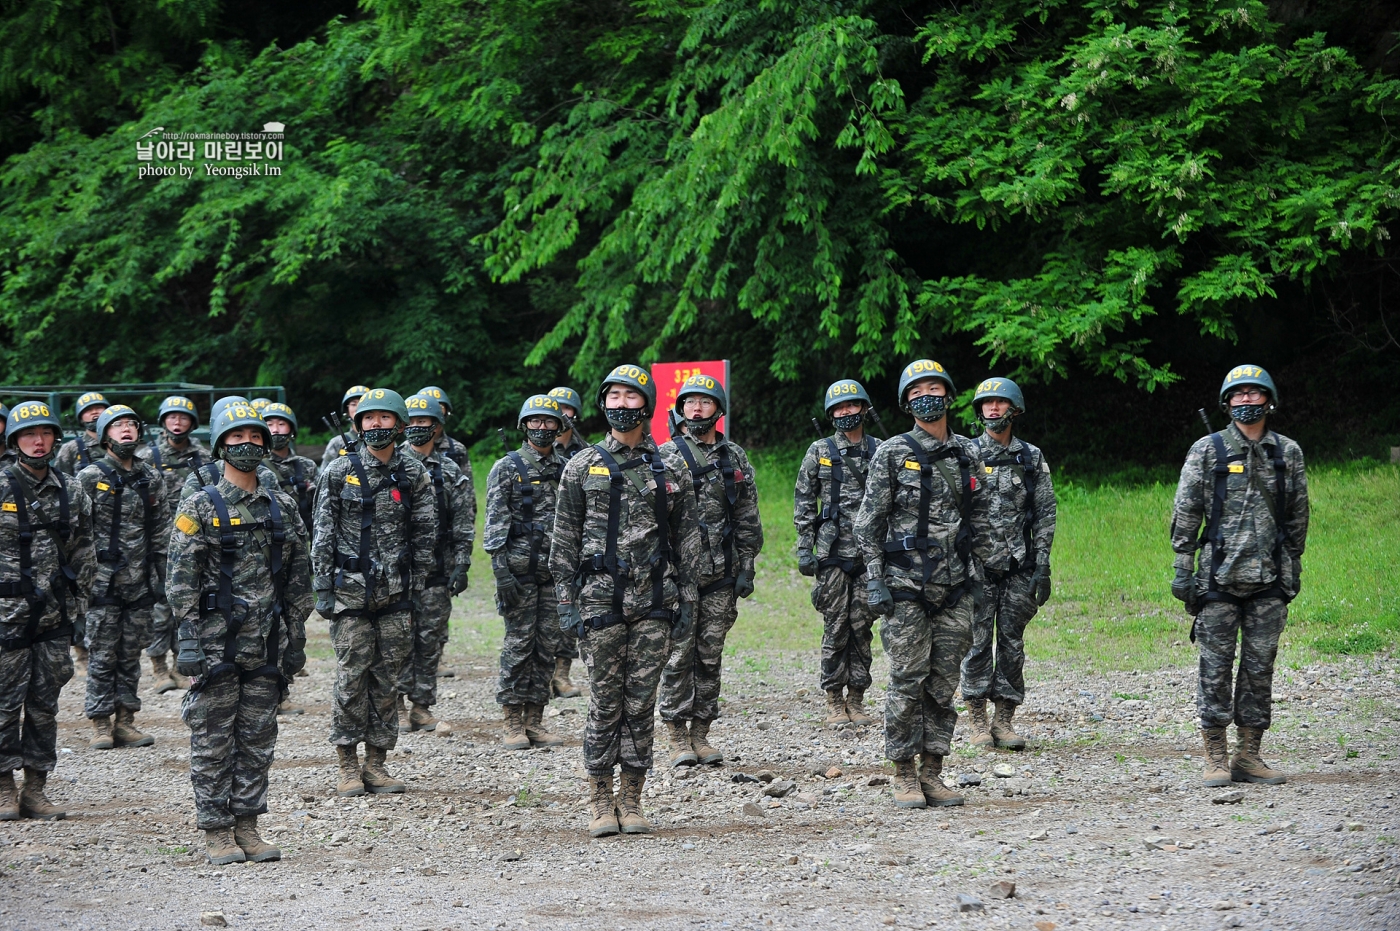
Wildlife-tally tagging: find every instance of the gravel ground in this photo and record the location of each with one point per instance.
(1100, 824)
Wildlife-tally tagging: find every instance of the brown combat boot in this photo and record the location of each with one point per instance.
(33, 803)
(561, 685)
(602, 806)
(515, 737)
(682, 753)
(246, 836)
(855, 707)
(376, 777)
(9, 797)
(421, 719)
(1247, 765)
(836, 713)
(700, 740)
(629, 803)
(102, 733)
(401, 710)
(539, 735)
(124, 732)
(222, 848)
(907, 791)
(1217, 771)
(351, 784)
(443, 672)
(290, 707)
(936, 793)
(162, 681)
(981, 735)
(1002, 731)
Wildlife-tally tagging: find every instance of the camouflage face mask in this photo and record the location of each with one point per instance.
(1247, 413)
(379, 437)
(244, 456)
(542, 438)
(281, 441)
(624, 419)
(848, 422)
(929, 408)
(699, 426)
(418, 436)
(997, 424)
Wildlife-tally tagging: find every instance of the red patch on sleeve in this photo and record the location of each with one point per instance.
(398, 498)
(972, 480)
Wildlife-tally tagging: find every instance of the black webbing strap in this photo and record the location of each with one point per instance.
(831, 501)
(530, 526)
(113, 554)
(1028, 473)
(619, 569)
(59, 531)
(444, 526)
(725, 468)
(1214, 530)
(301, 491)
(361, 561)
(84, 458)
(962, 494)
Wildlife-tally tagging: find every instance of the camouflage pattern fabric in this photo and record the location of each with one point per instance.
(995, 665)
(1256, 626)
(1005, 487)
(624, 667)
(211, 472)
(567, 644)
(690, 683)
(836, 538)
(335, 448)
(233, 736)
(175, 464)
(453, 450)
(710, 507)
(531, 642)
(847, 628)
(30, 682)
(285, 468)
(924, 648)
(72, 458)
(370, 652)
(432, 609)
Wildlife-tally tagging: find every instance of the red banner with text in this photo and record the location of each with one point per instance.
(669, 376)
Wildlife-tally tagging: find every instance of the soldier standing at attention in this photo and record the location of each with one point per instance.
(520, 495)
(830, 485)
(129, 513)
(240, 589)
(77, 454)
(46, 559)
(566, 445)
(445, 445)
(1242, 504)
(374, 535)
(924, 533)
(1021, 509)
(337, 446)
(624, 556)
(731, 536)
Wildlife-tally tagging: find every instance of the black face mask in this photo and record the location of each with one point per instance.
(418, 436)
(542, 438)
(848, 422)
(121, 451)
(379, 437)
(929, 408)
(37, 462)
(997, 424)
(624, 419)
(699, 426)
(244, 456)
(281, 441)
(1248, 413)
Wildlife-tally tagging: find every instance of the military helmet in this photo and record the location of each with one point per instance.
(423, 404)
(847, 389)
(235, 413)
(632, 376)
(176, 404)
(567, 397)
(438, 395)
(90, 399)
(222, 403)
(918, 370)
(351, 394)
(706, 386)
(1242, 375)
(382, 399)
(1003, 388)
(540, 405)
(114, 413)
(259, 404)
(4, 412)
(277, 409)
(30, 414)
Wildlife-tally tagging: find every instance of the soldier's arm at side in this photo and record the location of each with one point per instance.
(323, 533)
(1189, 506)
(567, 541)
(463, 518)
(1046, 512)
(748, 524)
(297, 596)
(160, 546)
(804, 502)
(185, 569)
(873, 519)
(496, 531)
(684, 525)
(83, 558)
(980, 513)
(422, 527)
(469, 501)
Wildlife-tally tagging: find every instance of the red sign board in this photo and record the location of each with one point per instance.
(669, 376)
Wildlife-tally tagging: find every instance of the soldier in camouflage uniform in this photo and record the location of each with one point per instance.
(445, 445)
(624, 555)
(566, 445)
(78, 453)
(1021, 507)
(240, 588)
(129, 511)
(175, 454)
(520, 495)
(923, 530)
(731, 536)
(455, 510)
(338, 446)
(1242, 504)
(8, 456)
(374, 533)
(830, 485)
(46, 560)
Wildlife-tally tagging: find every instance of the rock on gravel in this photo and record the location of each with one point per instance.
(1002, 889)
(970, 903)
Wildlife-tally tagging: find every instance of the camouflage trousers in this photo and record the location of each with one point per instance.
(369, 656)
(925, 648)
(624, 667)
(233, 732)
(431, 611)
(529, 647)
(691, 680)
(115, 638)
(995, 666)
(847, 628)
(162, 630)
(568, 645)
(1257, 626)
(30, 681)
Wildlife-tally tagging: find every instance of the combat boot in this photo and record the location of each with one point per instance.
(700, 740)
(561, 685)
(538, 734)
(977, 723)
(603, 807)
(855, 707)
(124, 732)
(836, 714)
(401, 709)
(80, 658)
(32, 801)
(376, 777)
(421, 719)
(936, 793)
(682, 753)
(246, 836)
(350, 785)
(1217, 772)
(290, 707)
(629, 803)
(222, 848)
(1002, 731)
(515, 737)
(443, 672)
(9, 797)
(1247, 765)
(162, 681)
(907, 791)
(102, 733)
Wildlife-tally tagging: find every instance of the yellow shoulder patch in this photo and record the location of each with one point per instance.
(186, 525)
(987, 469)
(598, 470)
(103, 486)
(352, 480)
(824, 461)
(911, 464)
(342, 451)
(9, 506)
(1237, 467)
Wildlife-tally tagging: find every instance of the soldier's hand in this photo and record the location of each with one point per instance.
(294, 660)
(190, 660)
(1184, 589)
(457, 582)
(685, 621)
(1040, 583)
(325, 603)
(507, 587)
(880, 598)
(743, 583)
(569, 617)
(807, 564)
(158, 590)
